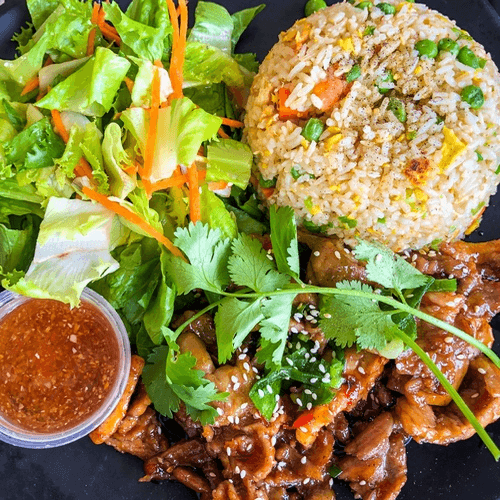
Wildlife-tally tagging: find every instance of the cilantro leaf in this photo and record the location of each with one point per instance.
(250, 267)
(388, 269)
(316, 375)
(153, 375)
(191, 387)
(208, 255)
(284, 240)
(274, 328)
(350, 319)
(171, 378)
(234, 320)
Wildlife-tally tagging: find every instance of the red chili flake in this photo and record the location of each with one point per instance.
(304, 419)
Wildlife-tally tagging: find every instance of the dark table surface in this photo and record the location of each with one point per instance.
(83, 471)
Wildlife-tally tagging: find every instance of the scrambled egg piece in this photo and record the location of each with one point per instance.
(452, 148)
(331, 141)
(346, 44)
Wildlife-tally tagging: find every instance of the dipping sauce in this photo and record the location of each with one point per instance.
(57, 365)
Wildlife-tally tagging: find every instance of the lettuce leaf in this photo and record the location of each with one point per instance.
(213, 26)
(215, 214)
(70, 251)
(91, 89)
(40, 10)
(182, 127)
(137, 38)
(48, 182)
(241, 20)
(206, 64)
(141, 93)
(115, 157)
(35, 147)
(230, 161)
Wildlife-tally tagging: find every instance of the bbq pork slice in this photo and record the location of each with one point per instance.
(375, 461)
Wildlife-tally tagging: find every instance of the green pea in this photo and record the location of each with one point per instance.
(398, 108)
(448, 45)
(467, 57)
(313, 129)
(364, 5)
(386, 8)
(411, 135)
(472, 95)
(353, 74)
(347, 222)
(427, 48)
(267, 183)
(386, 78)
(313, 6)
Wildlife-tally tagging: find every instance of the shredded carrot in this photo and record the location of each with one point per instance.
(101, 15)
(194, 194)
(133, 218)
(222, 133)
(95, 13)
(91, 41)
(174, 181)
(110, 33)
(158, 63)
(153, 126)
(232, 123)
(58, 123)
(31, 85)
(304, 419)
(83, 169)
(129, 83)
(178, 45)
(217, 186)
(268, 192)
(131, 169)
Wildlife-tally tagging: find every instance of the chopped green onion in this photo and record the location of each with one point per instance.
(369, 30)
(497, 171)
(411, 135)
(439, 119)
(296, 173)
(268, 183)
(461, 34)
(353, 74)
(389, 78)
(386, 8)
(476, 210)
(334, 471)
(364, 5)
(313, 129)
(398, 108)
(479, 156)
(308, 203)
(348, 222)
(382, 220)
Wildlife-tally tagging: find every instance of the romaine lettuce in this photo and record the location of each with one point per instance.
(91, 89)
(70, 251)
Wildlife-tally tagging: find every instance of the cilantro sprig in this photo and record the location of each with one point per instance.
(368, 315)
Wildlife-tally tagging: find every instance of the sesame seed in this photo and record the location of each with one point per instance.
(273, 441)
(299, 401)
(309, 406)
(270, 257)
(298, 346)
(277, 397)
(231, 419)
(228, 451)
(220, 411)
(243, 473)
(289, 361)
(474, 396)
(236, 420)
(361, 370)
(242, 356)
(236, 386)
(294, 330)
(378, 258)
(314, 380)
(303, 429)
(460, 356)
(269, 389)
(309, 317)
(315, 313)
(362, 483)
(234, 379)
(307, 355)
(450, 277)
(308, 392)
(448, 340)
(255, 370)
(246, 366)
(306, 480)
(322, 369)
(337, 254)
(303, 460)
(330, 482)
(261, 393)
(326, 380)
(244, 405)
(327, 315)
(314, 396)
(245, 377)
(482, 371)
(237, 470)
(316, 253)
(414, 257)
(297, 317)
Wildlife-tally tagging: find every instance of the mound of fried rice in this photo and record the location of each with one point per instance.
(370, 175)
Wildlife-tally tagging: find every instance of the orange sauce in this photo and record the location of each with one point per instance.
(57, 364)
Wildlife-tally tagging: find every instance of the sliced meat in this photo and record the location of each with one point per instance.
(375, 464)
(480, 389)
(203, 327)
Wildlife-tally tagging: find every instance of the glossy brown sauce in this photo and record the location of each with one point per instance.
(57, 365)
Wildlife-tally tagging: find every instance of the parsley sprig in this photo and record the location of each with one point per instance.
(368, 315)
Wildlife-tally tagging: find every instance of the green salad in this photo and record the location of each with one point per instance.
(122, 169)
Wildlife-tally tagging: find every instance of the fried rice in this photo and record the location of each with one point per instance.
(403, 180)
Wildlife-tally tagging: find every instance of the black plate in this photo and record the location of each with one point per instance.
(83, 471)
